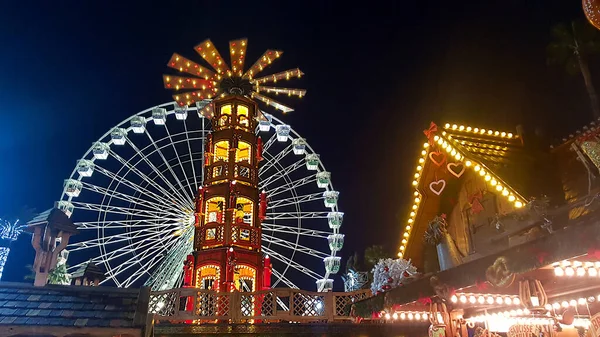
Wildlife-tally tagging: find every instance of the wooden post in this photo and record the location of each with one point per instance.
(329, 306)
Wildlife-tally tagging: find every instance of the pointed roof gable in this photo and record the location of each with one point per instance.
(56, 217)
(492, 154)
(89, 270)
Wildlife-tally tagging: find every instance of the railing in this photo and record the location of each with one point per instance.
(292, 305)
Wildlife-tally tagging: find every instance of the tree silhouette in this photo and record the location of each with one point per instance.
(571, 46)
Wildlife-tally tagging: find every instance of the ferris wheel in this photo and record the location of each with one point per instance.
(132, 197)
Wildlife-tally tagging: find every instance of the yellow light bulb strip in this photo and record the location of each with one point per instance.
(448, 144)
(272, 102)
(264, 61)
(286, 91)
(207, 50)
(187, 66)
(188, 83)
(237, 54)
(416, 316)
(284, 75)
(417, 199)
(479, 131)
(489, 299)
(577, 268)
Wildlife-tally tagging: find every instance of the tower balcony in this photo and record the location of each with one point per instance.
(244, 235)
(210, 235)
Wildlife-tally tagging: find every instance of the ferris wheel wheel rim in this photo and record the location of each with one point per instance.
(109, 141)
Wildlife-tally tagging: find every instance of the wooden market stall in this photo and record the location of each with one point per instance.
(506, 232)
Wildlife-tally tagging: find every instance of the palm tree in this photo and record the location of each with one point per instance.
(571, 46)
(9, 232)
(59, 275)
(373, 254)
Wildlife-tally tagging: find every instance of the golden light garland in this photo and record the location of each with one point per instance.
(576, 268)
(416, 201)
(489, 299)
(480, 131)
(408, 316)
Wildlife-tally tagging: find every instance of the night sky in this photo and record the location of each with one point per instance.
(376, 76)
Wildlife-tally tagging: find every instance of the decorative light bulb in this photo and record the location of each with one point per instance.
(558, 271)
(569, 271)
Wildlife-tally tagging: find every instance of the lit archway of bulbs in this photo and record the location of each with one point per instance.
(416, 201)
(576, 268)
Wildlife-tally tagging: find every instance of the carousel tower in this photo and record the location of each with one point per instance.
(229, 206)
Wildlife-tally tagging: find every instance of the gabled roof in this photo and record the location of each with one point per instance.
(56, 217)
(89, 270)
(591, 129)
(492, 154)
(72, 306)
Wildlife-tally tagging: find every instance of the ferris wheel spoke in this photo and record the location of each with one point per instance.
(121, 196)
(296, 215)
(295, 230)
(162, 156)
(192, 192)
(138, 259)
(94, 225)
(277, 158)
(291, 186)
(281, 173)
(294, 246)
(295, 200)
(269, 142)
(292, 263)
(143, 157)
(163, 276)
(139, 188)
(282, 278)
(112, 239)
(147, 243)
(191, 157)
(124, 210)
(132, 224)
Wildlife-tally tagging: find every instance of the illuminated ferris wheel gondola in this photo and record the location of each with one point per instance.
(133, 193)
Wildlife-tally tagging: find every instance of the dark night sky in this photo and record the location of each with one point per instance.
(375, 76)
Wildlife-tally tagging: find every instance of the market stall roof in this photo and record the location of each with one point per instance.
(578, 237)
(63, 310)
(500, 158)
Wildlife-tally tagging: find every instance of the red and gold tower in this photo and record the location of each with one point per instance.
(227, 240)
(229, 206)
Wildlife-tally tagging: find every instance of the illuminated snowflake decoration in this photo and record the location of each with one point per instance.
(222, 79)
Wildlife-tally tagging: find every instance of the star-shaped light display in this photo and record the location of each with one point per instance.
(223, 79)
